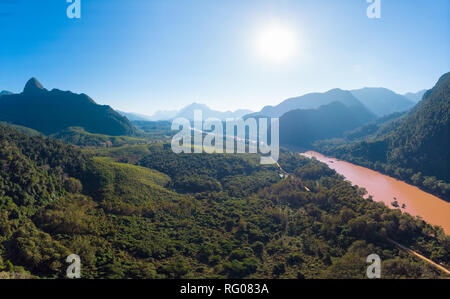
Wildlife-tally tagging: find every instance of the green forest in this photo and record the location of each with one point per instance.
(140, 211)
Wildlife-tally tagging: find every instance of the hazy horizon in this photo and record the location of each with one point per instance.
(178, 109)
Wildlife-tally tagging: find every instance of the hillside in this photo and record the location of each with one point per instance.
(52, 111)
(24, 130)
(382, 101)
(414, 147)
(310, 101)
(371, 129)
(303, 127)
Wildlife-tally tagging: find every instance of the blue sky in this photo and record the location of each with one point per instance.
(148, 55)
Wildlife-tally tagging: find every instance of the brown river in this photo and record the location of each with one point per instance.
(384, 189)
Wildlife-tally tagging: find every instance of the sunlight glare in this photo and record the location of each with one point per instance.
(276, 43)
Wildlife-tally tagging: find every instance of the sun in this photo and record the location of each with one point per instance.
(276, 43)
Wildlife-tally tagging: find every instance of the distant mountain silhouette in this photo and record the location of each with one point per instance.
(5, 92)
(164, 115)
(415, 96)
(188, 112)
(52, 111)
(303, 127)
(134, 116)
(382, 101)
(310, 101)
(33, 85)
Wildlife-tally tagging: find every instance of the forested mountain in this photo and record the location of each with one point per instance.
(303, 127)
(415, 147)
(144, 212)
(382, 101)
(310, 101)
(52, 111)
(188, 113)
(5, 92)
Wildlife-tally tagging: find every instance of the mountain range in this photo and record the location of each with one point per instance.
(415, 147)
(309, 101)
(52, 111)
(302, 127)
(380, 101)
(163, 115)
(135, 209)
